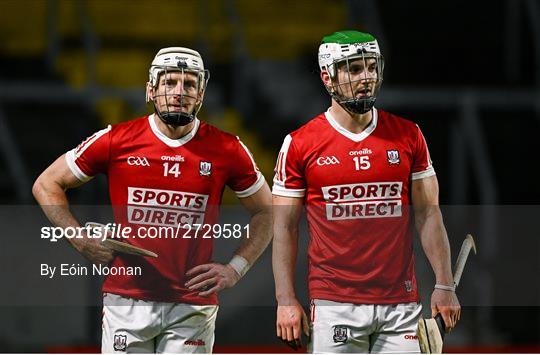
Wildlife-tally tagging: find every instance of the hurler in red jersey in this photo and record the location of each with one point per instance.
(365, 178)
(166, 173)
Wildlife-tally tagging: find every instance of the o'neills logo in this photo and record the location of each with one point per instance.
(368, 200)
(165, 207)
(363, 151)
(198, 342)
(173, 158)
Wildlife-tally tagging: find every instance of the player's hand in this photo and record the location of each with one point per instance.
(92, 250)
(446, 303)
(291, 321)
(211, 278)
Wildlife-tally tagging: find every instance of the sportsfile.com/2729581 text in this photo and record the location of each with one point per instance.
(119, 231)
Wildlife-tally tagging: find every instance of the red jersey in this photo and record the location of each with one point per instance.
(356, 189)
(163, 182)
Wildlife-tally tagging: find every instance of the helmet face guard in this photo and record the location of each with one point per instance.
(169, 104)
(355, 67)
(344, 91)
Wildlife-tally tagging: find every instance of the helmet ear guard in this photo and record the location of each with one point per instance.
(177, 59)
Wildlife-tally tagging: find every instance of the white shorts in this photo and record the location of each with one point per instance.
(136, 326)
(348, 328)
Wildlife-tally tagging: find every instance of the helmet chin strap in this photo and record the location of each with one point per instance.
(358, 106)
(175, 119)
(355, 105)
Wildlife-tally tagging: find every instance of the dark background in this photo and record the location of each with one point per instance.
(467, 72)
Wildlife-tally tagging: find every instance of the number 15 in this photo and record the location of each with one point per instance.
(362, 163)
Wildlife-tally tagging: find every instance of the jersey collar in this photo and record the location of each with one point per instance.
(356, 137)
(174, 143)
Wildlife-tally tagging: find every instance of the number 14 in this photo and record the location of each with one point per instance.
(173, 170)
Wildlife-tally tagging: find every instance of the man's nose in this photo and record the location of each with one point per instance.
(178, 89)
(367, 75)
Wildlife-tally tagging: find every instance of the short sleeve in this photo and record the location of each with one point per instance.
(245, 179)
(289, 178)
(91, 157)
(422, 165)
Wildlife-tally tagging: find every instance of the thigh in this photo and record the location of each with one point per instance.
(397, 333)
(129, 325)
(188, 329)
(340, 327)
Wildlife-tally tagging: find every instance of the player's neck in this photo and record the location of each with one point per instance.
(354, 123)
(171, 131)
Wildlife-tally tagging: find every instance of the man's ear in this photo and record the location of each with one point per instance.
(149, 92)
(327, 80)
(200, 97)
(325, 77)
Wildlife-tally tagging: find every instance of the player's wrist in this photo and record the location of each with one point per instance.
(240, 265)
(444, 279)
(286, 299)
(445, 287)
(80, 244)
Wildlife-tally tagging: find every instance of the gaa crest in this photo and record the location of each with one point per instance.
(120, 342)
(393, 157)
(205, 168)
(340, 334)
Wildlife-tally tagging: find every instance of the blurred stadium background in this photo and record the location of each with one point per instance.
(467, 72)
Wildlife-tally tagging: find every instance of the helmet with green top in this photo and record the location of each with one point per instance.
(358, 57)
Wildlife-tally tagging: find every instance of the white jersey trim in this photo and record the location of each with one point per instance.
(280, 177)
(174, 143)
(253, 188)
(260, 178)
(356, 137)
(279, 190)
(429, 161)
(84, 145)
(70, 160)
(423, 174)
(249, 154)
(281, 171)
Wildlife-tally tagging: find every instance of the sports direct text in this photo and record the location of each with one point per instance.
(165, 207)
(368, 200)
(119, 231)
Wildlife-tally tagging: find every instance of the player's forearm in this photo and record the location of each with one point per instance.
(50, 192)
(260, 234)
(284, 253)
(54, 203)
(435, 243)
